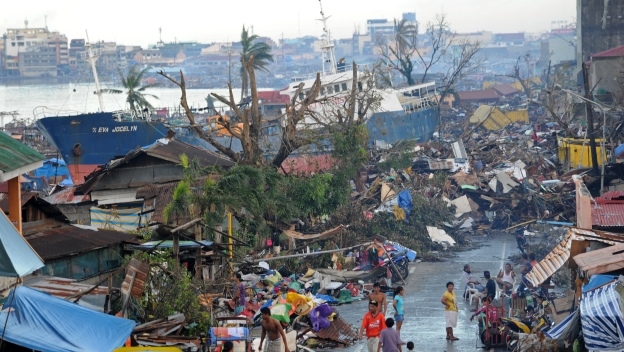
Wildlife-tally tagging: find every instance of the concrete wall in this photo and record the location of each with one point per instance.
(600, 26)
(606, 73)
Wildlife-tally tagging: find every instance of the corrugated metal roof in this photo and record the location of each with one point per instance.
(479, 95)
(561, 253)
(68, 240)
(613, 52)
(607, 214)
(15, 154)
(61, 287)
(67, 196)
(173, 149)
(601, 260)
(339, 331)
(505, 89)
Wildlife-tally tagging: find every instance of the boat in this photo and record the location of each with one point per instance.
(406, 113)
(87, 140)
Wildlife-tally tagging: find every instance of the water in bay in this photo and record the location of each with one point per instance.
(74, 98)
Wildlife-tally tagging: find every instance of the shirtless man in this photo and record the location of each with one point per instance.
(380, 297)
(274, 329)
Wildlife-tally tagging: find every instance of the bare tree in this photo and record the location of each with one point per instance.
(398, 51)
(248, 131)
(440, 38)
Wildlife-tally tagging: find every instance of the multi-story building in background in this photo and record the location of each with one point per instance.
(34, 52)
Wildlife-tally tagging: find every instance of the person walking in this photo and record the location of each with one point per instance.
(373, 323)
(379, 297)
(450, 310)
(397, 303)
(273, 328)
(239, 294)
(389, 339)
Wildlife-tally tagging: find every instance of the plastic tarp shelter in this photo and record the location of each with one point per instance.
(17, 258)
(601, 319)
(596, 281)
(45, 323)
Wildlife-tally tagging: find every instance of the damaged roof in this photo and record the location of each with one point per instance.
(17, 158)
(601, 261)
(479, 95)
(67, 240)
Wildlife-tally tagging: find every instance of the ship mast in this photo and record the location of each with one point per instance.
(329, 59)
(92, 57)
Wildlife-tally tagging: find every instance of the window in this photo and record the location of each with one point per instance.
(344, 86)
(360, 86)
(322, 90)
(330, 90)
(336, 88)
(301, 96)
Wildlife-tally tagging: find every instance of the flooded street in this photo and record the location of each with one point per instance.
(424, 318)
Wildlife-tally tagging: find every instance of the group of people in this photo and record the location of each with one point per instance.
(380, 336)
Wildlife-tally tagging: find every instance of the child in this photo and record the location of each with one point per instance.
(397, 303)
(410, 346)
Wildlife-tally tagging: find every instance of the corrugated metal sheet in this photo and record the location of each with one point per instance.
(481, 114)
(174, 149)
(136, 274)
(496, 121)
(15, 154)
(561, 253)
(518, 115)
(339, 331)
(68, 240)
(67, 196)
(608, 214)
(479, 95)
(505, 89)
(61, 287)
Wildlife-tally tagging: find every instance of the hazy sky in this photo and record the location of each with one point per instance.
(132, 22)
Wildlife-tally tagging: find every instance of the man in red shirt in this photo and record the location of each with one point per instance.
(373, 322)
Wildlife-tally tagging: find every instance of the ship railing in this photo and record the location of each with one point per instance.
(339, 69)
(43, 111)
(419, 104)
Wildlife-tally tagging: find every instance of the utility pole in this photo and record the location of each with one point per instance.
(590, 123)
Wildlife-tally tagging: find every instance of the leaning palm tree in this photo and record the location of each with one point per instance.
(261, 53)
(135, 92)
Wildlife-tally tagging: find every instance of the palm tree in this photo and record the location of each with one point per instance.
(131, 82)
(261, 53)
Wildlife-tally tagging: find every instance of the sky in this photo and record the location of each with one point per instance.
(132, 22)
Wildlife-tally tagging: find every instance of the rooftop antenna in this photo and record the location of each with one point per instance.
(329, 59)
(46, 21)
(160, 36)
(26, 23)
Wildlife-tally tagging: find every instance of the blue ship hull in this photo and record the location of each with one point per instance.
(88, 140)
(391, 127)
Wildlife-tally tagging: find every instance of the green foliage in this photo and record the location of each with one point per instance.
(135, 91)
(180, 203)
(397, 161)
(171, 289)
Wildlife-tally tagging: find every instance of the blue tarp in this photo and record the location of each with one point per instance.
(52, 168)
(619, 150)
(596, 281)
(405, 201)
(17, 258)
(601, 319)
(44, 323)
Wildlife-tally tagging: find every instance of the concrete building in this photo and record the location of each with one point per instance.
(561, 47)
(599, 27)
(605, 70)
(379, 26)
(26, 46)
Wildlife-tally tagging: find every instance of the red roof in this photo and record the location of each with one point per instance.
(505, 89)
(479, 95)
(613, 52)
(608, 215)
(273, 97)
(608, 210)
